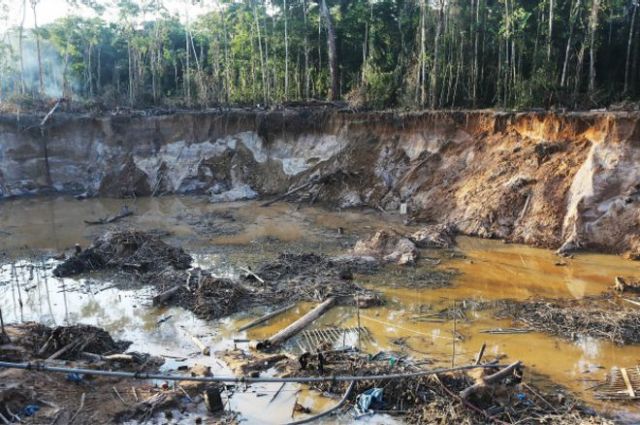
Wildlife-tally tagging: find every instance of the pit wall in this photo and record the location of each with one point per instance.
(565, 181)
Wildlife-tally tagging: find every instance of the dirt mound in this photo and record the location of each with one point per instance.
(127, 250)
(389, 246)
(604, 316)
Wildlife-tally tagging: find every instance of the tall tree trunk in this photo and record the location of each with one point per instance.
(423, 54)
(333, 53)
(187, 69)
(286, 53)
(550, 39)
(436, 55)
(575, 7)
(21, 47)
(227, 65)
(475, 73)
(305, 42)
(262, 57)
(629, 44)
(593, 28)
(34, 5)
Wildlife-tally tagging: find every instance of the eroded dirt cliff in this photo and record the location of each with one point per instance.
(556, 180)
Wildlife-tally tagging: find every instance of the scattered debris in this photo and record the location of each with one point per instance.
(36, 396)
(126, 250)
(604, 316)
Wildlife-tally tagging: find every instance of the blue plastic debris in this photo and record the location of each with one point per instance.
(370, 398)
(74, 377)
(30, 409)
(521, 396)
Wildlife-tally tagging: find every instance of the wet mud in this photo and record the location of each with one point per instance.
(443, 320)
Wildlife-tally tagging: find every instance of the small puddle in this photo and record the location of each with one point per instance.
(224, 237)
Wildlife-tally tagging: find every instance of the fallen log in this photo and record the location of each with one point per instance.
(64, 349)
(291, 192)
(298, 325)
(108, 220)
(165, 296)
(266, 317)
(203, 348)
(55, 107)
(491, 379)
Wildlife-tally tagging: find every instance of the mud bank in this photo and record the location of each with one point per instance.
(553, 180)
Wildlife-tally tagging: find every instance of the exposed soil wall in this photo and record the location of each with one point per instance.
(556, 180)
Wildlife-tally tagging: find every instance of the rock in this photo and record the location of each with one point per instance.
(435, 236)
(389, 246)
(238, 193)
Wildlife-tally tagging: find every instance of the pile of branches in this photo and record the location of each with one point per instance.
(436, 399)
(69, 342)
(290, 278)
(605, 316)
(128, 250)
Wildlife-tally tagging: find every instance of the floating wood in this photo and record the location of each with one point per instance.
(505, 331)
(108, 220)
(298, 325)
(266, 317)
(203, 348)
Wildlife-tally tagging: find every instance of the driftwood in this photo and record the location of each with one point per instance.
(291, 192)
(63, 350)
(298, 325)
(203, 348)
(163, 297)
(251, 273)
(125, 212)
(491, 379)
(266, 317)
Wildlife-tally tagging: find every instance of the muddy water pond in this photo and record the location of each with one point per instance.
(226, 237)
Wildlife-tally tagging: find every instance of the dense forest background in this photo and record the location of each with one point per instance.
(372, 53)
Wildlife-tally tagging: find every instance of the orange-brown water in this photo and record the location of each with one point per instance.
(489, 270)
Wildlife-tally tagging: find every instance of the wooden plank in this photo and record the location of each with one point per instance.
(627, 382)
